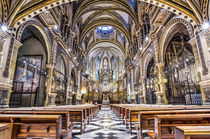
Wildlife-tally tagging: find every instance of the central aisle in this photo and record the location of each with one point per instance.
(106, 125)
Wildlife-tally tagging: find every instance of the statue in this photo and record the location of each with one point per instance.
(156, 80)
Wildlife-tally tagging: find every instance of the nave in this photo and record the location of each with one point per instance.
(115, 121)
(104, 69)
(106, 125)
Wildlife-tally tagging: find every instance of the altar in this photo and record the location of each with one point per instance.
(106, 99)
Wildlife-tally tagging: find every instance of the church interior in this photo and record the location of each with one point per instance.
(105, 69)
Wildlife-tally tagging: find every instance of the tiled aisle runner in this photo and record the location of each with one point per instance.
(106, 125)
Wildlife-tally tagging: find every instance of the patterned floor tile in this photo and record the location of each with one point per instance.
(106, 125)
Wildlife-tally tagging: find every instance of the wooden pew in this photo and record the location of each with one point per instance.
(164, 124)
(132, 113)
(78, 115)
(192, 132)
(5, 131)
(36, 126)
(146, 118)
(81, 114)
(66, 125)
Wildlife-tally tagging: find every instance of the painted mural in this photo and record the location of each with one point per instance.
(28, 73)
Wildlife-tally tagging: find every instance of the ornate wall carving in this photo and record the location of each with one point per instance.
(40, 27)
(167, 31)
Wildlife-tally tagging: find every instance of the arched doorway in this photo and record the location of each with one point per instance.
(60, 81)
(74, 86)
(180, 70)
(150, 83)
(30, 73)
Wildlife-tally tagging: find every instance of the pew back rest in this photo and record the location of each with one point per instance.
(169, 121)
(149, 115)
(63, 114)
(23, 126)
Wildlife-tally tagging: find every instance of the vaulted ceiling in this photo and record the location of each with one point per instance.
(88, 15)
(18, 9)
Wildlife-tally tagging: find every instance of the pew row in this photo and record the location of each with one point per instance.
(71, 115)
(192, 132)
(5, 131)
(66, 125)
(33, 126)
(146, 118)
(164, 124)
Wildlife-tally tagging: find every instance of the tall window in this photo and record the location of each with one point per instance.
(120, 68)
(91, 67)
(105, 63)
(97, 67)
(113, 67)
(60, 66)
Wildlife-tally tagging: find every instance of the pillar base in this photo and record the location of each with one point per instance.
(160, 99)
(141, 99)
(3, 98)
(205, 91)
(51, 99)
(69, 100)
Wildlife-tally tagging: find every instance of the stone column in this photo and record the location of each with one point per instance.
(196, 56)
(160, 94)
(204, 59)
(139, 37)
(132, 84)
(143, 95)
(9, 50)
(161, 97)
(16, 47)
(50, 97)
(156, 46)
(79, 85)
(68, 98)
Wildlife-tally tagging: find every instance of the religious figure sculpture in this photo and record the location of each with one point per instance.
(156, 80)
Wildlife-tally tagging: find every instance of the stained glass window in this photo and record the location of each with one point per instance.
(120, 68)
(113, 67)
(105, 63)
(91, 67)
(97, 67)
(60, 66)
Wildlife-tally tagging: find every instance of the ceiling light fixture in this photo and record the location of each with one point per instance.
(4, 28)
(205, 26)
(55, 27)
(147, 38)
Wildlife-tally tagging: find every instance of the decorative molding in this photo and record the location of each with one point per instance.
(201, 54)
(9, 56)
(40, 27)
(167, 32)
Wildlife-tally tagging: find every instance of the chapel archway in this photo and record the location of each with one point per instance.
(150, 83)
(30, 73)
(60, 81)
(182, 85)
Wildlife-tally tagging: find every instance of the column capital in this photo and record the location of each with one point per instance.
(56, 38)
(160, 64)
(154, 37)
(17, 44)
(49, 66)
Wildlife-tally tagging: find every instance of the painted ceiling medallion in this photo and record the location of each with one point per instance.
(105, 30)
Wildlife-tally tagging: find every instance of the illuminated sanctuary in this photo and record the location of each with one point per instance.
(59, 53)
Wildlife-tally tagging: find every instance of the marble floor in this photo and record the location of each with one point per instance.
(106, 125)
